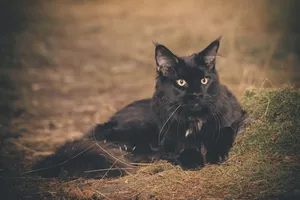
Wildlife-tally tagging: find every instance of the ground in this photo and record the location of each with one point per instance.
(68, 65)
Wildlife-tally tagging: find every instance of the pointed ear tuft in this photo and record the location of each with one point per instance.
(155, 43)
(210, 53)
(219, 38)
(165, 59)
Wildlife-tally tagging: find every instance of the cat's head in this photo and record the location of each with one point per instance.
(191, 81)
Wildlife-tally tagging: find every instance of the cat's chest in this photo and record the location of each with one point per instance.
(194, 127)
(198, 127)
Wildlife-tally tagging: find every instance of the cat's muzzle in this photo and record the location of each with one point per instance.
(195, 104)
(196, 107)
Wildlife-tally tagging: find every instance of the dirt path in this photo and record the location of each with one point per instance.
(77, 63)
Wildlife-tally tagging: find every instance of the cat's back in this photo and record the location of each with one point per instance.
(230, 106)
(227, 96)
(139, 110)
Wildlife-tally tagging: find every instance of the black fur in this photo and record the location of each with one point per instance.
(181, 122)
(180, 109)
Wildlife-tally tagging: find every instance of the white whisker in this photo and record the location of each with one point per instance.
(167, 122)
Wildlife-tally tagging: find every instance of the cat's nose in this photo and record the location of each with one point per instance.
(198, 95)
(196, 107)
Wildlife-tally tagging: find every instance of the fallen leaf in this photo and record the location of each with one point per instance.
(274, 138)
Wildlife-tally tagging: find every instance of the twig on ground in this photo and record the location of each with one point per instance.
(101, 194)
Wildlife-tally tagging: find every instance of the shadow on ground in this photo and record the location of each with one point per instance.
(13, 21)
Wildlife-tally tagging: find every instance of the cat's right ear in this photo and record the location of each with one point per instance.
(210, 53)
(164, 58)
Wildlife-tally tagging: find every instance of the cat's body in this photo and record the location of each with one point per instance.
(133, 126)
(190, 110)
(193, 109)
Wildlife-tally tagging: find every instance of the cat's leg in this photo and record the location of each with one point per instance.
(168, 149)
(182, 149)
(217, 151)
(103, 131)
(190, 156)
(134, 137)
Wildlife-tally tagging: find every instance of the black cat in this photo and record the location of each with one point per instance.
(190, 111)
(192, 108)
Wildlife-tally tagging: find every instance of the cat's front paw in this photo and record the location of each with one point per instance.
(212, 157)
(190, 159)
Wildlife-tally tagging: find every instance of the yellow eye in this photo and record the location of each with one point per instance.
(181, 82)
(204, 81)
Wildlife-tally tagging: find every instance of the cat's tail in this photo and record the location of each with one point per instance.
(85, 158)
(107, 150)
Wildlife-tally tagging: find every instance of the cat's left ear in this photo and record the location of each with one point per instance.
(210, 53)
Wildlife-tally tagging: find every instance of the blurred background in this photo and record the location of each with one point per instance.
(66, 65)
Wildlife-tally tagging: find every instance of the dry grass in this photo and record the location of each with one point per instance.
(80, 62)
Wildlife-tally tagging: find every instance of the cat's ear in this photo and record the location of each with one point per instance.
(210, 53)
(164, 58)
